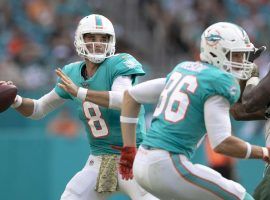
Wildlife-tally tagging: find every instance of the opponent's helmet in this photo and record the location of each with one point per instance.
(220, 41)
(94, 24)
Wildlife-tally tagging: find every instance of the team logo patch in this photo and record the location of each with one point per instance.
(85, 85)
(130, 64)
(212, 37)
(233, 90)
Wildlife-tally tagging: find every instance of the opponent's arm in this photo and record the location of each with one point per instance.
(219, 132)
(238, 110)
(239, 113)
(242, 84)
(257, 97)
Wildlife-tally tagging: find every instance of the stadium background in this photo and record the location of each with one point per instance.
(36, 36)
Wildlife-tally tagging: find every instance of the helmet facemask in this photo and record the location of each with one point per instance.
(220, 42)
(240, 68)
(96, 52)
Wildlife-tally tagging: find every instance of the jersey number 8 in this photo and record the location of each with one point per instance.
(96, 123)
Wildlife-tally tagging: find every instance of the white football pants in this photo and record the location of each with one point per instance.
(174, 177)
(82, 185)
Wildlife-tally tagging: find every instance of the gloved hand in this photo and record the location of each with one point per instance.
(256, 54)
(255, 71)
(126, 161)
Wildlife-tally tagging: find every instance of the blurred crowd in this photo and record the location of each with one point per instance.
(36, 36)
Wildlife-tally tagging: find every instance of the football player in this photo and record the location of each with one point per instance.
(196, 100)
(255, 106)
(96, 85)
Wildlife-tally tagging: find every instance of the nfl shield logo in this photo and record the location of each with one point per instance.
(85, 85)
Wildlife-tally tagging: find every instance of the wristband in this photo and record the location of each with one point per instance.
(129, 120)
(253, 81)
(17, 102)
(82, 92)
(248, 150)
(265, 153)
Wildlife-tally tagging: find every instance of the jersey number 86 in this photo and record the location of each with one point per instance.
(173, 101)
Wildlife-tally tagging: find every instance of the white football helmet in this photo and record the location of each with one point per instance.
(219, 41)
(94, 24)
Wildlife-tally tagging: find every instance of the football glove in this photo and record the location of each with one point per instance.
(256, 53)
(255, 71)
(126, 161)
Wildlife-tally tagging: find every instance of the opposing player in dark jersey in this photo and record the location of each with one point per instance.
(254, 105)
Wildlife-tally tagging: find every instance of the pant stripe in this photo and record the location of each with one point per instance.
(201, 182)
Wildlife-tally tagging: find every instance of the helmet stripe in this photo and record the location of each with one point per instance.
(98, 22)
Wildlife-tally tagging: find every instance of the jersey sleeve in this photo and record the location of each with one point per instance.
(149, 91)
(126, 65)
(62, 93)
(223, 85)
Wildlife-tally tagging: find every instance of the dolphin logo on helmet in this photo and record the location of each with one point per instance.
(220, 41)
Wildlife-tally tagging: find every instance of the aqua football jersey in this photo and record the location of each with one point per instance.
(178, 122)
(103, 124)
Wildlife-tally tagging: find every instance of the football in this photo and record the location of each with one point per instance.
(7, 96)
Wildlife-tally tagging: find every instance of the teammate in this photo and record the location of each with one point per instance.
(195, 100)
(96, 85)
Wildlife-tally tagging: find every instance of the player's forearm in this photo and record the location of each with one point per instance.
(128, 134)
(37, 109)
(129, 113)
(26, 108)
(100, 98)
(108, 99)
(130, 107)
(235, 147)
(239, 113)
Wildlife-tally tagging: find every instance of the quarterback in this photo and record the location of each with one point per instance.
(96, 85)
